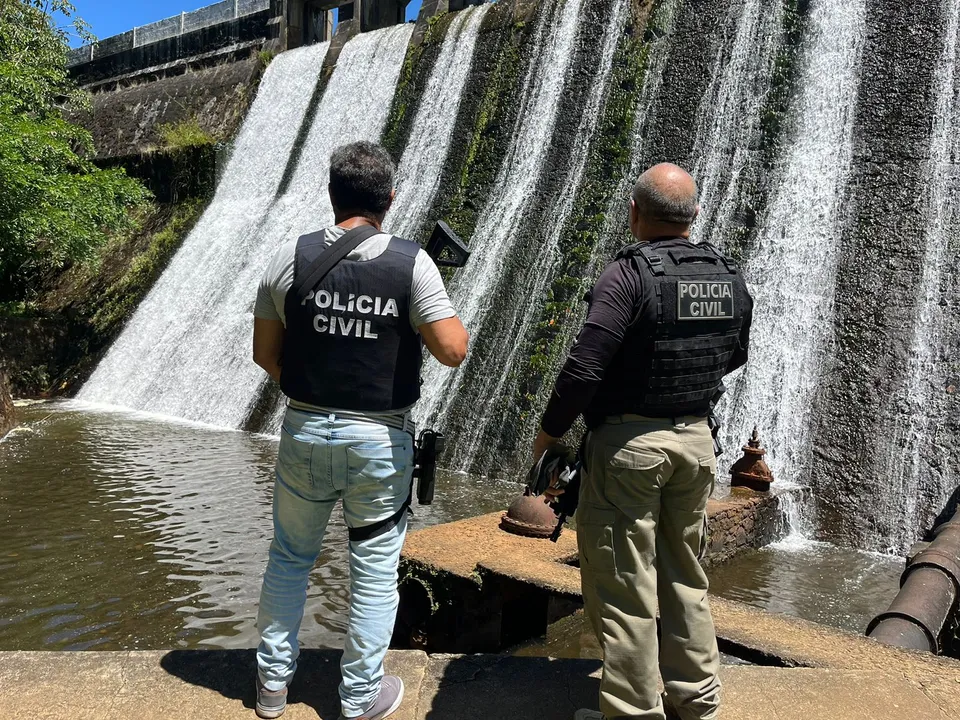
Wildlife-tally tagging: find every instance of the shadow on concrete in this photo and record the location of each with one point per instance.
(232, 673)
(498, 687)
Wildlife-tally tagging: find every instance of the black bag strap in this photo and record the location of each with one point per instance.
(328, 259)
(381, 527)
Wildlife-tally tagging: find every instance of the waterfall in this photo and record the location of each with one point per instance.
(920, 399)
(663, 18)
(527, 302)
(186, 351)
(792, 270)
(517, 181)
(729, 116)
(136, 372)
(418, 175)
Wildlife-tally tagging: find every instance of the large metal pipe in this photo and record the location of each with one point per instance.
(929, 589)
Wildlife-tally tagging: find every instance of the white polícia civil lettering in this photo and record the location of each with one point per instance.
(320, 323)
(322, 299)
(364, 304)
(391, 308)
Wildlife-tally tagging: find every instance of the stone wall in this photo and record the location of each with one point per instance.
(878, 275)
(745, 519)
(127, 121)
(250, 31)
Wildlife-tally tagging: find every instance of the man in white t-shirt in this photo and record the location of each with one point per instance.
(345, 343)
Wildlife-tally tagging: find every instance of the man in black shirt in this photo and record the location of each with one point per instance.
(667, 320)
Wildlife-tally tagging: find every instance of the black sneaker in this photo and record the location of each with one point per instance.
(270, 703)
(387, 703)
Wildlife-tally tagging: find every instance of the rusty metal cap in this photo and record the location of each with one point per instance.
(529, 516)
(750, 470)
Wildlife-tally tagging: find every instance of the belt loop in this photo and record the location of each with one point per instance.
(332, 418)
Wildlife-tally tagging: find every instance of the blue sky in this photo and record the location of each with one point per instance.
(109, 17)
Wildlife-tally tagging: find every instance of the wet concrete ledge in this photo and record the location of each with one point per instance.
(468, 586)
(219, 684)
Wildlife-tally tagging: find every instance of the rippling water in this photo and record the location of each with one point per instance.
(120, 531)
(812, 580)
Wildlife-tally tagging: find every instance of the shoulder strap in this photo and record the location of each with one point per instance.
(328, 259)
(404, 247)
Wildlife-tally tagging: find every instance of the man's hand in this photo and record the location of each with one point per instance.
(543, 443)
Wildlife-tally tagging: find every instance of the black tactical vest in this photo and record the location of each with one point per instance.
(678, 349)
(350, 345)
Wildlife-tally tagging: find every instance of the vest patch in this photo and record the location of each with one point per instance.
(704, 300)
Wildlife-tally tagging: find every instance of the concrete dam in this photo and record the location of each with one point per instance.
(830, 177)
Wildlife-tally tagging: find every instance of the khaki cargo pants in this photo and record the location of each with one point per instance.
(640, 529)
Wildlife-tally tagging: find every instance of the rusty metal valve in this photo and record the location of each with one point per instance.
(751, 471)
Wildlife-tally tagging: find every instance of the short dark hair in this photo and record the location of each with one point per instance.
(361, 177)
(660, 204)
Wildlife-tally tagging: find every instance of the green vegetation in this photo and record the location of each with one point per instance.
(184, 134)
(122, 296)
(486, 146)
(610, 156)
(56, 206)
(265, 57)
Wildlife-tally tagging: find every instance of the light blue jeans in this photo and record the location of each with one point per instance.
(369, 467)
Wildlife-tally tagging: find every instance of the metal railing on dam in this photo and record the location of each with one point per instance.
(171, 27)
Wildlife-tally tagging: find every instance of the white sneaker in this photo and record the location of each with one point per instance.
(585, 714)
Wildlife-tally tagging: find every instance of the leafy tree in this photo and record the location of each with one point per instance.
(56, 206)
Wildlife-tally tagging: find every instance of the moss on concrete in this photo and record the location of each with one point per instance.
(498, 64)
(414, 76)
(608, 163)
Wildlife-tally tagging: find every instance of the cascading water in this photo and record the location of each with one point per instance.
(418, 174)
(136, 372)
(517, 180)
(792, 270)
(186, 351)
(919, 401)
(612, 236)
(729, 116)
(528, 300)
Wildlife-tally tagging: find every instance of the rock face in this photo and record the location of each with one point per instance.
(879, 272)
(7, 418)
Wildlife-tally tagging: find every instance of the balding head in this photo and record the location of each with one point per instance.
(665, 201)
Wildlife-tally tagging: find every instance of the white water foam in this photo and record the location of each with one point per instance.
(186, 352)
(418, 174)
(517, 180)
(792, 272)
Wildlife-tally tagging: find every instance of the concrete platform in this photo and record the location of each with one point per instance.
(468, 587)
(219, 684)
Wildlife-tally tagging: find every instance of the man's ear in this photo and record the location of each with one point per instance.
(393, 196)
(696, 213)
(332, 203)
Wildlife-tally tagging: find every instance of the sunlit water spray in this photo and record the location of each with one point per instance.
(418, 174)
(919, 401)
(793, 269)
(554, 48)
